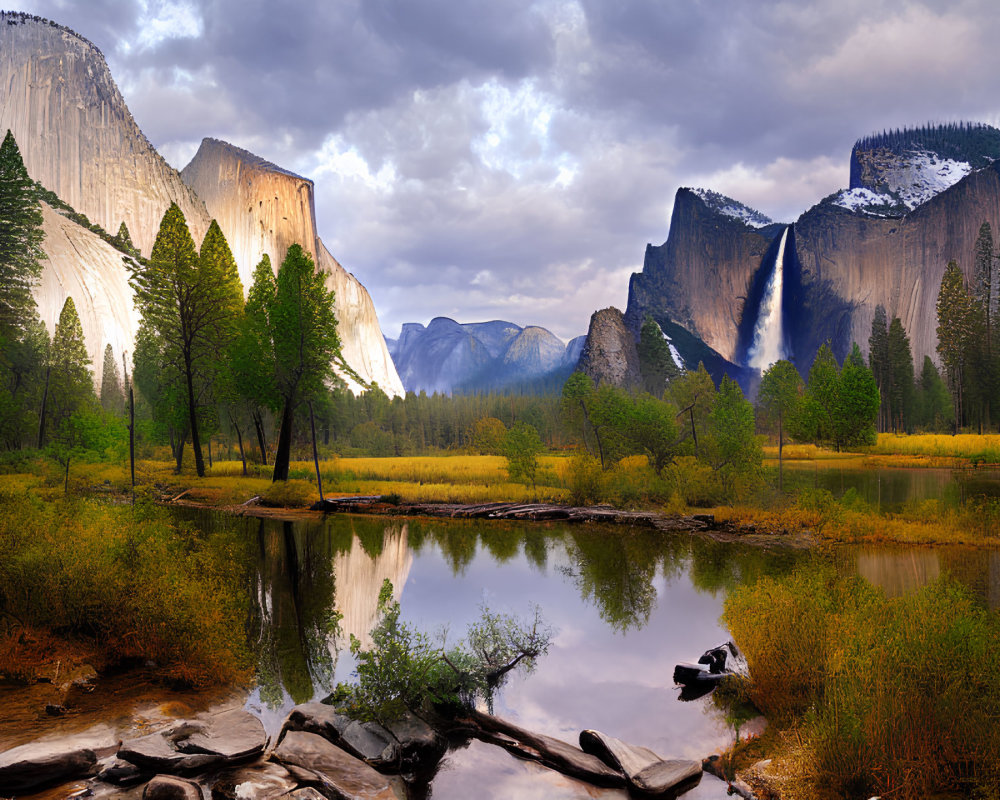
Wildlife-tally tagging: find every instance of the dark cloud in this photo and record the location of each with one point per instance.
(511, 158)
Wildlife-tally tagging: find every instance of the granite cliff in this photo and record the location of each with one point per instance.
(79, 140)
(916, 201)
(610, 354)
(263, 208)
(77, 136)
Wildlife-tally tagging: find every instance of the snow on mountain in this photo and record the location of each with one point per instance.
(922, 174)
(868, 202)
(733, 208)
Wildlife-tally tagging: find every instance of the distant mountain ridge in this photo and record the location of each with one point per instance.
(447, 356)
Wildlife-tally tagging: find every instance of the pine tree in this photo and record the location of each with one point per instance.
(191, 303)
(304, 333)
(900, 378)
(21, 238)
(982, 359)
(69, 385)
(123, 240)
(656, 362)
(112, 395)
(857, 402)
(878, 360)
(955, 330)
(934, 405)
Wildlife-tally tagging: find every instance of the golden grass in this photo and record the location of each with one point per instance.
(984, 448)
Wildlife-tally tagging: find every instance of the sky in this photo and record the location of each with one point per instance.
(511, 159)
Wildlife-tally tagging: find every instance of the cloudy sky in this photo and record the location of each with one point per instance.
(485, 159)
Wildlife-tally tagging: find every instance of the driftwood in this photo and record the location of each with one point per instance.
(376, 504)
(546, 750)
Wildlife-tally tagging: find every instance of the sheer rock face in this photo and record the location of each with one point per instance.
(610, 354)
(77, 136)
(839, 265)
(701, 275)
(262, 208)
(83, 266)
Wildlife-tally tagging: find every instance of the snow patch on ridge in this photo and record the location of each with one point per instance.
(866, 201)
(733, 208)
(922, 174)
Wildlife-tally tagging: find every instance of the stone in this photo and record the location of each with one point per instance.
(44, 763)
(123, 773)
(410, 744)
(196, 745)
(263, 781)
(170, 787)
(345, 773)
(648, 773)
(305, 793)
(610, 354)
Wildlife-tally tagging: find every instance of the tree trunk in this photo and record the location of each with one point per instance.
(41, 414)
(179, 452)
(283, 454)
(319, 478)
(199, 461)
(258, 425)
(239, 439)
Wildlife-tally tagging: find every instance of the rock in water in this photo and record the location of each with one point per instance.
(265, 781)
(610, 354)
(196, 745)
(168, 787)
(345, 774)
(648, 773)
(32, 766)
(262, 208)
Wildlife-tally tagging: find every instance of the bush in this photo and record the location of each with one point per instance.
(894, 696)
(583, 478)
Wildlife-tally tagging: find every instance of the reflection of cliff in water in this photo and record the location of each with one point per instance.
(383, 554)
(305, 574)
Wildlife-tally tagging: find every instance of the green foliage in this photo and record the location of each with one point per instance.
(900, 374)
(840, 407)
(731, 448)
(304, 336)
(488, 435)
(887, 695)
(404, 670)
(878, 361)
(656, 362)
(522, 446)
(652, 429)
(21, 238)
(694, 395)
(934, 412)
(190, 304)
(956, 327)
(112, 394)
(136, 583)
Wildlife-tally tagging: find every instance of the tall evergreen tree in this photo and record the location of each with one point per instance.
(900, 389)
(857, 402)
(304, 333)
(191, 303)
(878, 360)
(70, 386)
(656, 362)
(933, 404)
(112, 394)
(955, 331)
(21, 238)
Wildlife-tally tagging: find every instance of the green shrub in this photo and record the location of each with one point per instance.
(891, 696)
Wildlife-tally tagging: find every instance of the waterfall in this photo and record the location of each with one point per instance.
(768, 336)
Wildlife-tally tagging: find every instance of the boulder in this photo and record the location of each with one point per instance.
(170, 787)
(38, 764)
(648, 773)
(263, 781)
(409, 744)
(344, 773)
(193, 746)
(123, 773)
(305, 793)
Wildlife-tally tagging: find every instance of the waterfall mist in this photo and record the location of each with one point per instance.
(768, 335)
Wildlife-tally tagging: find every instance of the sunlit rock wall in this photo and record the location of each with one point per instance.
(263, 208)
(77, 136)
(83, 266)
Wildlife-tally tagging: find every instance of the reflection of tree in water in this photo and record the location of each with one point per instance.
(615, 572)
(292, 626)
(724, 565)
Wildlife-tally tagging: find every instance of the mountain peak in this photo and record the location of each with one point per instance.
(729, 207)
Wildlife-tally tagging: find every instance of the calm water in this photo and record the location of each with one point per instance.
(891, 489)
(627, 607)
